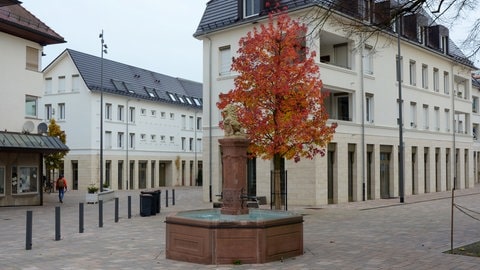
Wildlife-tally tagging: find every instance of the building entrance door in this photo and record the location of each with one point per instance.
(384, 175)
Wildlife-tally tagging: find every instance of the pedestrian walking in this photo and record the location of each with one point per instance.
(61, 187)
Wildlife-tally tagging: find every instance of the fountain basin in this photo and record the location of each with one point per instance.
(209, 237)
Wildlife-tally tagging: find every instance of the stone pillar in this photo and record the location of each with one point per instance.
(234, 159)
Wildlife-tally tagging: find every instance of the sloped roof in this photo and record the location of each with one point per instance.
(126, 80)
(17, 21)
(222, 14)
(19, 142)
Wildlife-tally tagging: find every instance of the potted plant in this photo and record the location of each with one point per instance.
(92, 195)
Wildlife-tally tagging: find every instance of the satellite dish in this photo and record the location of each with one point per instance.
(28, 127)
(42, 128)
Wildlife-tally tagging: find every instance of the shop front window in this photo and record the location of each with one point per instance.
(24, 180)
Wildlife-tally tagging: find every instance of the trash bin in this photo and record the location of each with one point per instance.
(155, 208)
(146, 205)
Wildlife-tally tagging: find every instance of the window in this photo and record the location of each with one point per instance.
(184, 121)
(190, 144)
(31, 106)
(48, 85)
(75, 83)
(369, 108)
(444, 44)
(131, 115)
(183, 144)
(25, 180)
(48, 111)
(143, 111)
(172, 97)
(153, 113)
(32, 62)
(436, 80)
(132, 140)
(120, 140)
(189, 100)
(425, 117)
(172, 139)
(447, 120)
(225, 60)
(153, 137)
(413, 115)
(162, 138)
(172, 116)
(120, 113)
(2, 180)
(341, 54)
(436, 111)
(190, 123)
(108, 111)
(199, 123)
(61, 111)
(61, 84)
(197, 101)
(367, 60)
(162, 114)
(251, 8)
(475, 104)
(446, 83)
(182, 100)
(421, 34)
(143, 137)
(413, 71)
(401, 68)
(199, 145)
(108, 140)
(425, 76)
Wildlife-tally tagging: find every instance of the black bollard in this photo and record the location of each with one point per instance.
(28, 234)
(159, 200)
(116, 210)
(80, 217)
(173, 196)
(129, 206)
(166, 198)
(100, 213)
(57, 223)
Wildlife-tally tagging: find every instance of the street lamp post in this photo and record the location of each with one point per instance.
(401, 183)
(103, 50)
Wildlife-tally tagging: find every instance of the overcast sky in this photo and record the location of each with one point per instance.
(156, 35)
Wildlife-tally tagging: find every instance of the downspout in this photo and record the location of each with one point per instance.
(210, 140)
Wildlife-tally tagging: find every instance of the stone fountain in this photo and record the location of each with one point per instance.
(234, 233)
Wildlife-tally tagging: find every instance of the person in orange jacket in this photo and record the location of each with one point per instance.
(61, 186)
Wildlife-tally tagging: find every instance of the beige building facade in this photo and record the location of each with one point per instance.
(360, 75)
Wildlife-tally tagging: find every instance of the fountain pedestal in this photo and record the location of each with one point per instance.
(234, 156)
(233, 234)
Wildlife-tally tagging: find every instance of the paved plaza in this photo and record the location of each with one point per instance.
(380, 234)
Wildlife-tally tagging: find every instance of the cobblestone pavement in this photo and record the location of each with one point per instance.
(379, 234)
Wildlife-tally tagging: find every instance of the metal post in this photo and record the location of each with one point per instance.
(451, 221)
(166, 198)
(116, 209)
(173, 196)
(80, 218)
(401, 185)
(28, 234)
(159, 200)
(100, 213)
(103, 50)
(57, 223)
(129, 207)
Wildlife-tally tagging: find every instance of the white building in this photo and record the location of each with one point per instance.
(22, 38)
(362, 160)
(151, 126)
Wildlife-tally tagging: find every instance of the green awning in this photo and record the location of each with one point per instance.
(20, 142)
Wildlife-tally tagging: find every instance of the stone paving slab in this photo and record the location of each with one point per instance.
(380, 234)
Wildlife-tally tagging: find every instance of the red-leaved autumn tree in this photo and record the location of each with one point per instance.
(278, 95)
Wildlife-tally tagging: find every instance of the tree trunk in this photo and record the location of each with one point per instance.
(277, 164)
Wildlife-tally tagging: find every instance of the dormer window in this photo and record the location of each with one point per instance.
(172, 97)
(444, 44)
(251, 8)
